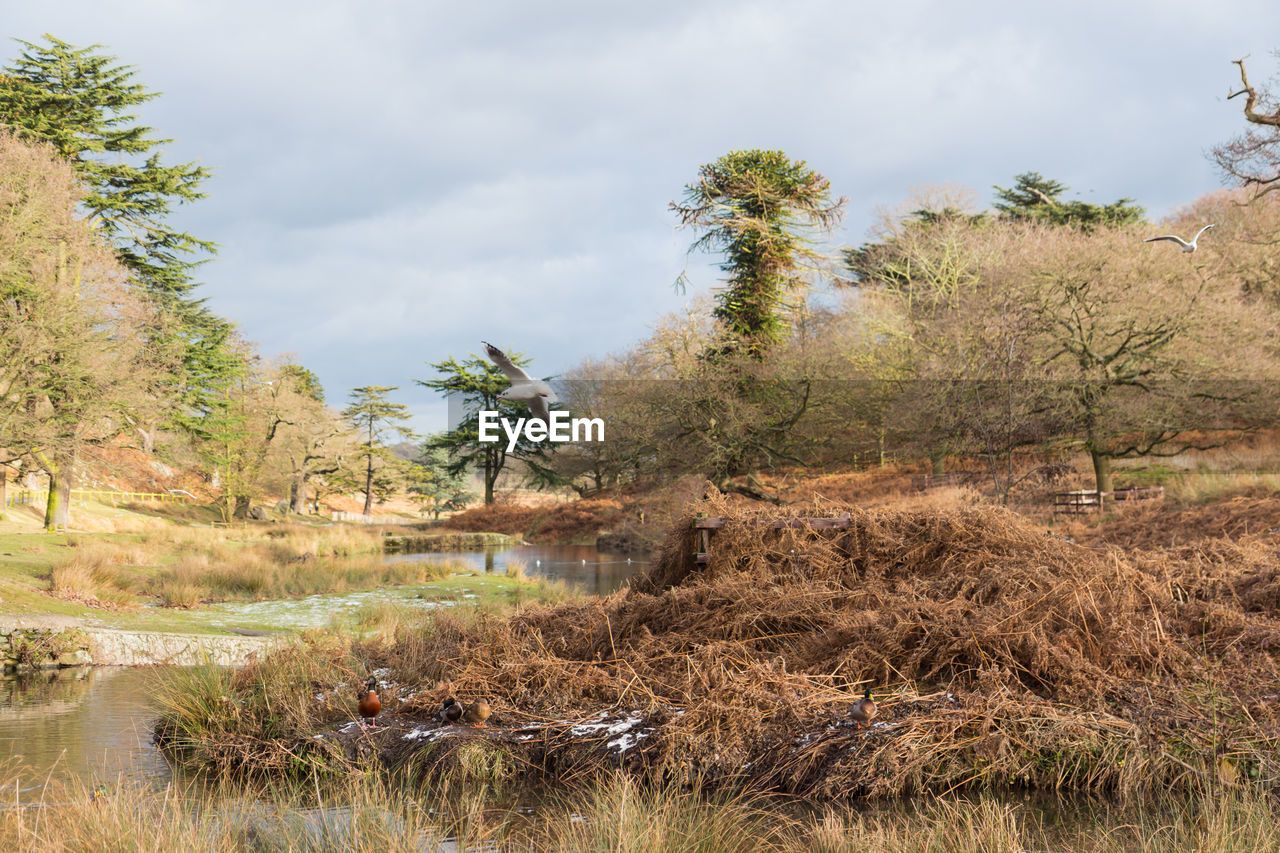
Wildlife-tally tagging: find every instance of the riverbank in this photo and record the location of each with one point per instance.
(618, 815)
(1000, 657)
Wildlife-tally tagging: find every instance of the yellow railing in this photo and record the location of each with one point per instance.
(33, 497)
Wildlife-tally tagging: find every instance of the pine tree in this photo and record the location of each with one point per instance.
(78, 99)
(373, 416)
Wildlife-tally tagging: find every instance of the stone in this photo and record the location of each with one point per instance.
(78, 657)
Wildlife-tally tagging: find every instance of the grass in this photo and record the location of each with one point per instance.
(618, 816)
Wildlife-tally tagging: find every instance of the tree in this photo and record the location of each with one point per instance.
(310, 440)
(73, 357)
(373, 417)
(1252, 159)
(76, 99)
(761, 210)
(79, 101)
(436, 485)
(473, 386)
(1036, 198)
(1135, 343)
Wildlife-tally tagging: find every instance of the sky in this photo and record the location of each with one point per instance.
(394, 182)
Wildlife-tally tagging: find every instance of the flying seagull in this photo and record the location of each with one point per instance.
(536, 393)
(1186, 247)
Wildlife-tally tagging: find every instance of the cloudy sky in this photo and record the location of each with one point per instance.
(395, 181)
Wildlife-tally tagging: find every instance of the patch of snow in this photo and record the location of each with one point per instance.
(628, 740)
(602, 724)
(431, 735)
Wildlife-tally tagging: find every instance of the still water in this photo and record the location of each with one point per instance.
(88, 722)
(584, 566)
(95, 722)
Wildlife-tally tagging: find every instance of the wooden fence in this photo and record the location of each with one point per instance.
(358, 518)
(1084, 500)
(36, 497)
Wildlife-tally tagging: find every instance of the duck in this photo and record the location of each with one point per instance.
(864, 710)
(369, 704)
(99, 795)
(450, 712)
(477, 712)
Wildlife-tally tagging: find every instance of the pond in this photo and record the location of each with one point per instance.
(88, 722)
(584, 566)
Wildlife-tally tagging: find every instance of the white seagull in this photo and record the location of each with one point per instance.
(524, 389)
(1186, 247)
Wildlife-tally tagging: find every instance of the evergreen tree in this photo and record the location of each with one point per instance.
(373, 416)
(475, 384)
(1035, 197)
(79, 101)
(760, 209)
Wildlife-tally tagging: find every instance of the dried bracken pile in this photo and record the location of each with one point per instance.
(1159, 524)
(581, 520)
(1000, 655)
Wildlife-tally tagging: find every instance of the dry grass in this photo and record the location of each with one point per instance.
(618, 816)
(91, 576)
(1001, 657)
(581, 520)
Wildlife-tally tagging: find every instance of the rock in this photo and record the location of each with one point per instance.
(78, 657)
(257, 513)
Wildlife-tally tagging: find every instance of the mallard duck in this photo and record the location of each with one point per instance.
(864, 709)
(99, 795)
(370, 704)
(450, 712)
(477, 712)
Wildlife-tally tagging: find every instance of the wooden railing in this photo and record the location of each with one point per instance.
(34, 497)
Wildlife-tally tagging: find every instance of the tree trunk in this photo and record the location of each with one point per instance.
(368, 486)
(1101, 471)
(299, 496)
(937, 463)
(4, 490)
(57, 510)
(490, 476)
(148, 437)
(241, 510)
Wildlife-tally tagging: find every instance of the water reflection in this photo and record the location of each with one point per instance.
(584, 566)
(90, 722)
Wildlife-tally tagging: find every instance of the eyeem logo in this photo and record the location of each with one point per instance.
(561, 429)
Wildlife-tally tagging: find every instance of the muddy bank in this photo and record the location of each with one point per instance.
(999, 656)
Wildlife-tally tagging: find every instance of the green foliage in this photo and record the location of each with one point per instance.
(77, 100)
(1037, 198)
(437, 486)
(759, 208)
(474, 384)
(304, 381)
(373, 416)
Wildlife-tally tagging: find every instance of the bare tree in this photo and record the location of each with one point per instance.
(1252, 158)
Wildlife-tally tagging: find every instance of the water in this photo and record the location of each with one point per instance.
(95, 722)
(88, 722)
(584, 566)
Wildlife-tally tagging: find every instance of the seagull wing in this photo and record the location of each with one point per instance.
(1169, 237)
(505, 364)
(538, 407)
(1202, 230)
